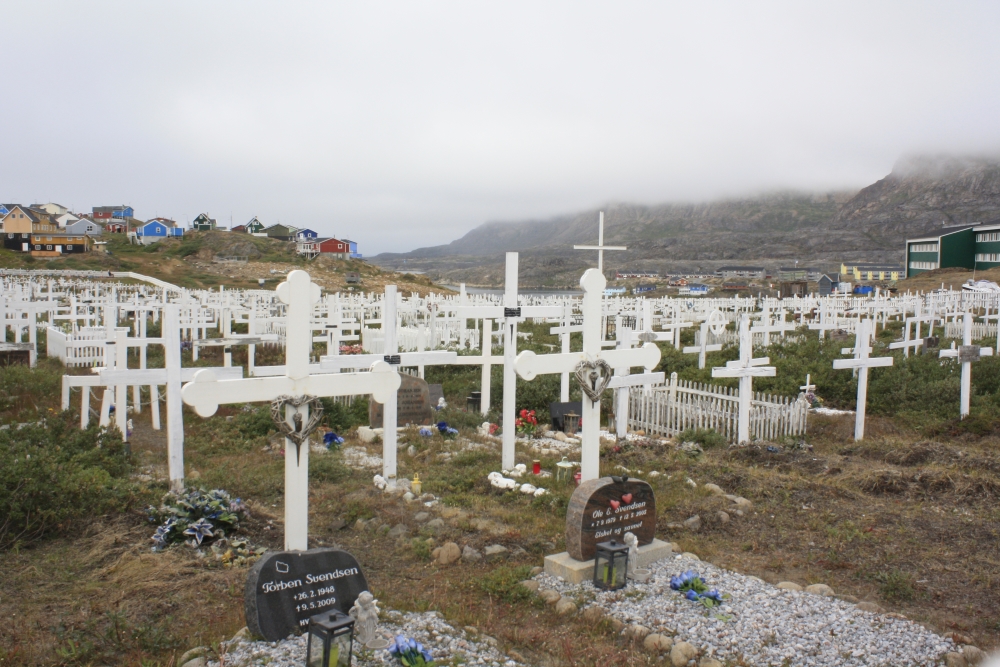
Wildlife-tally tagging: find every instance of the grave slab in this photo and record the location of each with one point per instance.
(577, 571)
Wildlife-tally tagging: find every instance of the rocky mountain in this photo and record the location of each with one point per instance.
(921, 194)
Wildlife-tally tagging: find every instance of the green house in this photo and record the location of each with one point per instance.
(281, 232)
(203, 223)
(953, 247)
(255, 226)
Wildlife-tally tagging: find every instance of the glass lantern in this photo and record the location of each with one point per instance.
(571, 423)
(564, 470)
(473, 400)
(331, 638)
(610, 565)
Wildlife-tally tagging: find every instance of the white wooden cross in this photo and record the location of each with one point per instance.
(390, 356)
(593, 360)
(511, 314)
(702, 347)
(746, 368)
(205, 393)
(767, 326)
(966, 354)
(564, 331)
(623, 380)
(486, 360)
(808, 387)
(600, 247)
(860, 364)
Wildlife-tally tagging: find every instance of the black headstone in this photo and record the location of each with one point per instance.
(285, 588)
(557, 410)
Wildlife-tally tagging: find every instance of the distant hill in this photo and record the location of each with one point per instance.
(921, 193)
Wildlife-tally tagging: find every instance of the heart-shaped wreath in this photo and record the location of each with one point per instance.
(593, 377)
(297, 432)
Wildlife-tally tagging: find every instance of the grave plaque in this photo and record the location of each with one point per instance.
(558, 410)
(436, 393)
(285, 588)
(413, 404)
(604, 509)
(968, 353)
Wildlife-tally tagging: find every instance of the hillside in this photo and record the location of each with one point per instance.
(192, 261)
(774, 229)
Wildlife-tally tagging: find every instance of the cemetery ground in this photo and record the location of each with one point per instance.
(907, 519)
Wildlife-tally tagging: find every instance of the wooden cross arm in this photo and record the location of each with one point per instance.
(869, 362)
(528, 364)
(751, 371)
(619, 381)
(715, 347)
(205, 392)
(759, 361)
(144, 376)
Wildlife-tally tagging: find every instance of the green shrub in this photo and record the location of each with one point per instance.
(342, 418)
(505, 583)
(706, 437)
(53, 476)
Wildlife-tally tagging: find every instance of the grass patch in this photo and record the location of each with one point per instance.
(504, 583)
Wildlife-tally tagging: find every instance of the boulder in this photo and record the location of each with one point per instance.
(954, 660)
(693, 524)
(681, 653)
(437, 525)
(710, 662)
(531, 585)
(656, 644)
(399, 530)
(470, 555)
(420, 517)
(196, 652)
(241, 636)
(689, 555)
(820, 589)
(973, 655)
(616, 624)
(721, 517)
(550, 596)
(565, 607)
(200, 661)
(448, 553)
(495, 551)
(740, 502)
(637, 632)
(538, 569)
(714, 489)
(869, 606)
(789, 586)
(593, 615)
(847, 598)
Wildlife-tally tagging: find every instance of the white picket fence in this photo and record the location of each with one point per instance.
(83, 348)
(683, 404)
(980, 330)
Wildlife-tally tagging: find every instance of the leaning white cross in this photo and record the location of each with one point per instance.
(293, 392)
(966, 354)
(600, 247)
(746, 368)
(861, 363)
(592, 367)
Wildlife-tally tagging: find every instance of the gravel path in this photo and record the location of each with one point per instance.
(442, 640)
(762, 624)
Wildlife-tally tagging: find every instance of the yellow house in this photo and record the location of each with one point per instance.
(24, 220)
(871, 272)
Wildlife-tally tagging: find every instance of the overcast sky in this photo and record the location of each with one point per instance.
(406, 124)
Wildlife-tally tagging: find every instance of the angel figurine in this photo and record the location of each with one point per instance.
(633, 554)
(365, 615)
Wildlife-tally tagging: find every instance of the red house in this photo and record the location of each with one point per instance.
(335, 247)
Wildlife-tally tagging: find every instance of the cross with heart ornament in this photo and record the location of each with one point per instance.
(592, 367)
(293, 396)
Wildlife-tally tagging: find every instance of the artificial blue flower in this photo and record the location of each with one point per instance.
(691, 595)
(426, 432)
(676, 582)
(442, 426)
(451, 431)
(199, 530)
(714, 595)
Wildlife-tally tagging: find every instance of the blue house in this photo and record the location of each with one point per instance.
(5, 208)
(354, 254)
(305, 235)
(154, 231)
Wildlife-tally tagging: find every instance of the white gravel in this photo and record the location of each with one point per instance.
(761, 624)
(444, 643)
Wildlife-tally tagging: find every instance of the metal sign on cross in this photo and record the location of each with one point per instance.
(593, 369)
(746, 368)
(860, 364)
(205, 393)
(966, 354)
(600, 247)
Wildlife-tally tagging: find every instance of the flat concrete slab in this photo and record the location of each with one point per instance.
(578, 571)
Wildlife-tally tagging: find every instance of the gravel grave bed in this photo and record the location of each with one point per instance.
(444, 642)
(760, 623)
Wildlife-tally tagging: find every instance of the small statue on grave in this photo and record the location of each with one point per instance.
(633, 554)
(365, 615)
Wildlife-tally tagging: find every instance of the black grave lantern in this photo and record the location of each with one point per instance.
(610, 565)
(331, 639)
(472, 401)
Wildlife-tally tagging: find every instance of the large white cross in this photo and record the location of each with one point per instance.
(205, 393)
(966, 354)
(529, 365)
(746, 368)
(703, 347)
(600, 247)
(860, 364)
(511, 314)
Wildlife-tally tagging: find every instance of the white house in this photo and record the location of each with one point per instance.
(84, 226)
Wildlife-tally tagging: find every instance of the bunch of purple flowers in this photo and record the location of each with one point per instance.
(446, 430)
(410, 653)
(695, 589)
